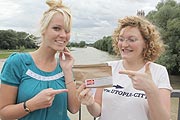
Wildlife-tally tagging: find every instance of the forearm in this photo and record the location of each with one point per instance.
(13, 112)
(73, 103)
(157, 109)
(94, 109)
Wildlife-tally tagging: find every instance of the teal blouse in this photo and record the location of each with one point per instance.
(19, 70)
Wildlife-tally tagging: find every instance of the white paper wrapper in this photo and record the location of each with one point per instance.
(100, 75)
(99, 82)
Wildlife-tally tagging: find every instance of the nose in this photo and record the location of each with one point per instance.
(62, 33)
(125, 43)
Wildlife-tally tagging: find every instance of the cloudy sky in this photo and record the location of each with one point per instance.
(92, 19)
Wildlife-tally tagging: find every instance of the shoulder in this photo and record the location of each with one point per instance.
(158, 70)
(114, 63)
(13, 58)
(17, 60)
(156, 66)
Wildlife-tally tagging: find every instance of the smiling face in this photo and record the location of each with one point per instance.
(55, 36)
(132, 47)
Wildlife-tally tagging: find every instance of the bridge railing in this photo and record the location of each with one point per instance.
(175, 94)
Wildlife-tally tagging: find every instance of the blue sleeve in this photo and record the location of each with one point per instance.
(11, 71)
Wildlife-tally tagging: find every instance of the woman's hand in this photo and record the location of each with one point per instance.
(141, 81)
(85, 96)
(43, 99)
(66, 60)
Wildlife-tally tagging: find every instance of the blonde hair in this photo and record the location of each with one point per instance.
(154, 44)
(56, 6)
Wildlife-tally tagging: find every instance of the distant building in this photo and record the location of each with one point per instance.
(141, 13)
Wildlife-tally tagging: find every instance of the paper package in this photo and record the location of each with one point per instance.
(93, 75)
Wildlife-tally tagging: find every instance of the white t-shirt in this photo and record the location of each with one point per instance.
(122, 101)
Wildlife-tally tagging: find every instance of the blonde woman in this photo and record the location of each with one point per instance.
(35, 85)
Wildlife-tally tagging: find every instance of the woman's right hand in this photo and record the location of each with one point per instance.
(85, 96)
(43, 99)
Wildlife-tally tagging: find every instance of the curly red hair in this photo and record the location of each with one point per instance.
(154, 45)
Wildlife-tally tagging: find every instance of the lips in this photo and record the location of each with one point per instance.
(59, 42)
(126, 50)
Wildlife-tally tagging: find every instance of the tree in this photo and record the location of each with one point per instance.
(82, 44)
(10, 39)
(167, 19)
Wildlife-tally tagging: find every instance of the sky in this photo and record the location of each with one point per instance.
(92, 19)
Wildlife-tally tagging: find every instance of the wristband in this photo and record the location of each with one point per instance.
(26, 108)
(69, 82)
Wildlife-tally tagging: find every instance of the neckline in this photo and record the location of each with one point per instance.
(140, 70)
(38, 69)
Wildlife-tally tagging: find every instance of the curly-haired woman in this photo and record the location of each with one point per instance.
(141, 88)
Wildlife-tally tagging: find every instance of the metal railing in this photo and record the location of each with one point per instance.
(175, 94)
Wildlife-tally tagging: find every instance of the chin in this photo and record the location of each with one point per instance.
(125, 57)
(60, 50)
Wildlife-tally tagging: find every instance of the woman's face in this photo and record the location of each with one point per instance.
(131, 43)
(55, 36)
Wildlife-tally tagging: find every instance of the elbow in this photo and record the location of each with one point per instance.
(2, 117)
(95, 114)
(74, 109)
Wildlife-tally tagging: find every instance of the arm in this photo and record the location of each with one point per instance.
(8, 108)
(73, 103)
(95, 108)
(66, 64)
(93, 104)
(158, 99)
(159, 104)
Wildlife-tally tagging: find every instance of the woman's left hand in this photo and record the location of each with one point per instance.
(141, 81)
(66, 60)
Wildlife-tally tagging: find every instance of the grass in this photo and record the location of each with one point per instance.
(5, 53)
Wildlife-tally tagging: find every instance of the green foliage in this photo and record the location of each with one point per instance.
(104, 44)
(5, 53)
(22, 48)
(75, 44)
(82, 44)
(167, 19)
(10, 39)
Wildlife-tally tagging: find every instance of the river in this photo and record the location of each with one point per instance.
(91, 55)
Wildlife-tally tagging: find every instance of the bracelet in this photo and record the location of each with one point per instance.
(69, 82)
(26, 108)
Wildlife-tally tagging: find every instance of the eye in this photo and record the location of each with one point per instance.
(132, 39)
(57, 28)
(121, 39)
